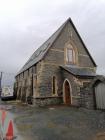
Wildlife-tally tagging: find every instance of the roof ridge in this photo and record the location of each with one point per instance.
(44, 47)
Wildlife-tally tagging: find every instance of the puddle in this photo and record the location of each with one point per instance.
(51, 108)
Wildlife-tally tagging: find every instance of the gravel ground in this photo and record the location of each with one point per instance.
(58, 123)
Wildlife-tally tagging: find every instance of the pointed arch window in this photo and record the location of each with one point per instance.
(54, 85)
(70, 55)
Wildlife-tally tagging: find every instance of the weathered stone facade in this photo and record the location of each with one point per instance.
(41, 79)
(43, 101)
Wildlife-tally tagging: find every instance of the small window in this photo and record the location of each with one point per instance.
(25, 82)
(28, 72)
(23, 74)
(35, 81)
(54, 82)
(34, 69)
(70, 55)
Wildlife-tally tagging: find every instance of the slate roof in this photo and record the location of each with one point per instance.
(78, 71)
(42, 50)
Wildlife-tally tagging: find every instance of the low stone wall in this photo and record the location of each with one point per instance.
(47, 101)
(76, 101)
(86, 98)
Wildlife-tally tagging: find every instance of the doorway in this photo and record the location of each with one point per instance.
(67, 92)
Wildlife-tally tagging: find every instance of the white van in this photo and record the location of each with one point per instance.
(7, 92)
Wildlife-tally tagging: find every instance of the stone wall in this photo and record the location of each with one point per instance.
(86, 98)
(45, 79)
(75, 87)
(56, 53)
(43, 72)
(47, 101)
(23, 86)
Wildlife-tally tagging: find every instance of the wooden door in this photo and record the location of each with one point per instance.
(100, 96)
(67, 93)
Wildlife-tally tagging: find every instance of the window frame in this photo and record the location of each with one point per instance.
(54, 85)
(68, 61)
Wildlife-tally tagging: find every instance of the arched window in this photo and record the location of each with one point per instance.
(54, 85)
(70, 55)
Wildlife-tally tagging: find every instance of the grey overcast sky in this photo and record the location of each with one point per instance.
(26, 24)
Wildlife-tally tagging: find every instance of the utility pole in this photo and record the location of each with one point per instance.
(0, 83)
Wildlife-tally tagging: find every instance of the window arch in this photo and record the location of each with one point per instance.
(70, 54)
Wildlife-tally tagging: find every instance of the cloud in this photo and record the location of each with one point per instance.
(26, 24)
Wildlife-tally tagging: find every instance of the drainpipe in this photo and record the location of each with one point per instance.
(0, 84)
(32, 83)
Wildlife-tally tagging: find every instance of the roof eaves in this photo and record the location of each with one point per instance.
(67, 70)
(77, 75)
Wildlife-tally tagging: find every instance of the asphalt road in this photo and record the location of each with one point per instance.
(56, 123)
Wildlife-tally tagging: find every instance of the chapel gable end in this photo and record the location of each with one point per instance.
(69, 49)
